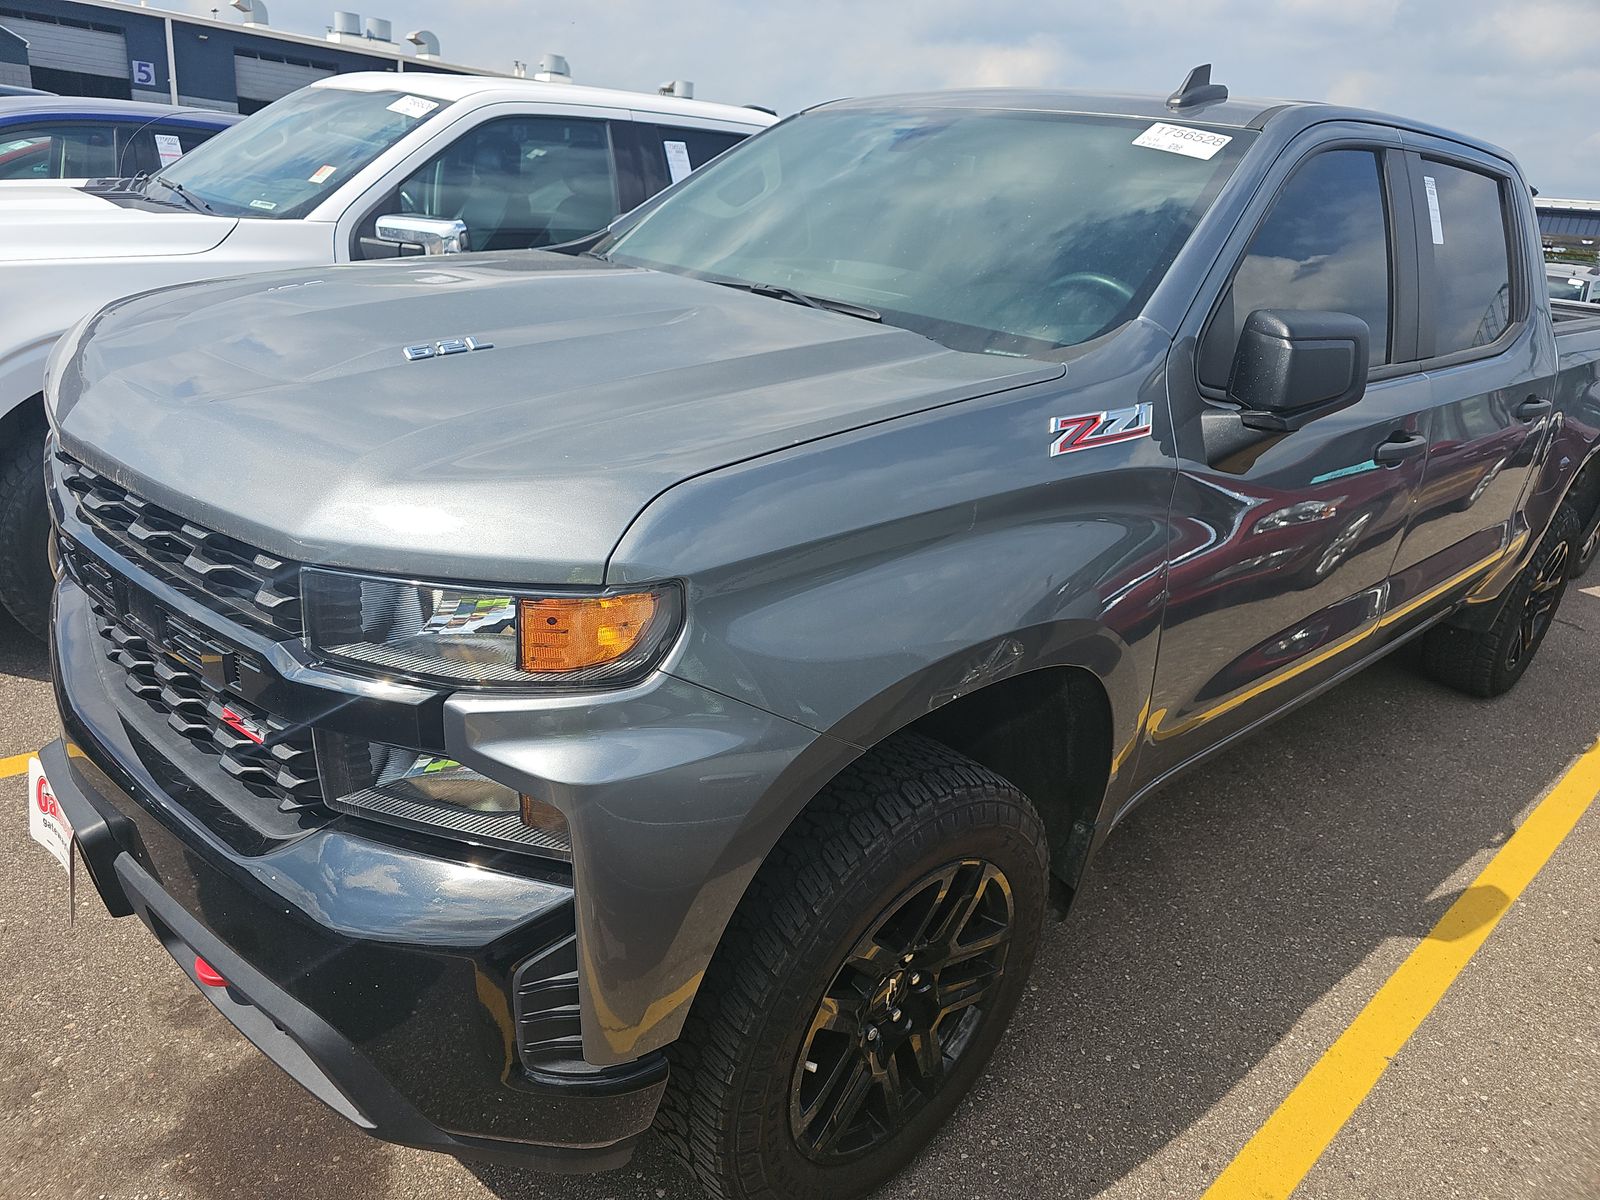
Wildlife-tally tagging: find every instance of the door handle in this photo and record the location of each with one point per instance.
(1399, 448)
(1533, 408)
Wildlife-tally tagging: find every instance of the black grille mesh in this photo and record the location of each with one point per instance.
(200, 562)
(199, 684)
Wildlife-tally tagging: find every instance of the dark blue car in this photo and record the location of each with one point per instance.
(77, 137)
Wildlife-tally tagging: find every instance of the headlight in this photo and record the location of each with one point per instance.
(425, 791)
(459, 634)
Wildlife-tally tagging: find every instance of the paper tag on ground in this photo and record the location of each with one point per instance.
(168, 148)
(47, 825)
(1437, 225)
(1180, 139)
(677, 159)
(323, 172)
(413, 106)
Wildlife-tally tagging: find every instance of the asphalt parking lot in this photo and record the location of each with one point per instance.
(1227, 937)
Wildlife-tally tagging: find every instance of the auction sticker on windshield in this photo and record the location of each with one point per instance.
(1180, 139)
(413, 106)
(47, 824)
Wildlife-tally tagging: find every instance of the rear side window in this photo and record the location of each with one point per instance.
(684, 150)
(1465, 226)
(156, 147)
(69, 151)
(1324, 246)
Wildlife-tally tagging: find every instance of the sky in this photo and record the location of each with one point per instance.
(1522, 73)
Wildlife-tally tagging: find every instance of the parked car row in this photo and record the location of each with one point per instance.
(352, 168)
(538, 697)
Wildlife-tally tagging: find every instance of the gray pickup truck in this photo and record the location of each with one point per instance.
(539, 697)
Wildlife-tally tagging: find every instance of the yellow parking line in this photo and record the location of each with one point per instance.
(1282, 1152)
(17, 764)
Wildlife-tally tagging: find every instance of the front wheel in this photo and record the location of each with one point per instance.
(25, 578)
(864, 982)
(1488, 662)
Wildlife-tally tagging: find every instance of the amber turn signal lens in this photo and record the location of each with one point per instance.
(569, 634)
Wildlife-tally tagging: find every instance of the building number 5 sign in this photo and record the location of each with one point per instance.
(144, 74)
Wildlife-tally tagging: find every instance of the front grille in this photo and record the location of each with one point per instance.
(208, 566)
(207, 690)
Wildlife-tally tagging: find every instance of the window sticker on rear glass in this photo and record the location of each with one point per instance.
(323, 173)
(168, 149)
(1435, 223)
(1180, 139)
(264, 205)
(413, 106)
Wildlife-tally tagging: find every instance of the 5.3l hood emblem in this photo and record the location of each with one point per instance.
(448, 346)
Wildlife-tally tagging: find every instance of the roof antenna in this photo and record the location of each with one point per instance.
(1197, 89)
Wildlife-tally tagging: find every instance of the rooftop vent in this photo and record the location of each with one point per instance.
(255, 12)
(552, 68)
(682, 88)
(346, 27)
(426, 43)
(379, 30)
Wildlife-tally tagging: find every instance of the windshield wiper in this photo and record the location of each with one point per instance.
(778, 291)
(177, 189)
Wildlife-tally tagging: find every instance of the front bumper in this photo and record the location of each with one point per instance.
(376, 971)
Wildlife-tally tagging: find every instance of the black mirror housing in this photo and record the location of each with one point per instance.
(1293, 365)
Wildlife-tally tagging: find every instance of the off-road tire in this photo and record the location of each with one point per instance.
(25, 580)
(1488, 662)
(907, 808)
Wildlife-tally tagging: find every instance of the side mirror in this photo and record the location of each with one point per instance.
(1293, 366)
(431, 235)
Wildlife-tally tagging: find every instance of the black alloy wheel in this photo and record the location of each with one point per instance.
(901, 1011)
(1539, 606)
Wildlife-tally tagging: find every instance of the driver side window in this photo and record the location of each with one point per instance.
(520, 182)
(1324, 245)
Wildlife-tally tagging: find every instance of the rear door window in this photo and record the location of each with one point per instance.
(675, 151)
(77, 150)
(1463, 223)
(156, 146)
(1324, 246)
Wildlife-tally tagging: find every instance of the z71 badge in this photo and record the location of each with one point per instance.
(1089, 430)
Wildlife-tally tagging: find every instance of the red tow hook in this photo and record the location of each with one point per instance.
(207, 974)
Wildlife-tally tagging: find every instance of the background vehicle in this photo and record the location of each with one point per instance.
(864, 529)
(492, 163)
(1570, 282)
(80, 138)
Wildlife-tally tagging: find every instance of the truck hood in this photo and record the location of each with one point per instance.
(42, 223)
(282, 408)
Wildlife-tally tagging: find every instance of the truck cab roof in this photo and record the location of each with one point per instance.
(451, 88)
(1284, 118)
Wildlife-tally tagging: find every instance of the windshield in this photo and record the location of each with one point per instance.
(283, 160)
(1005, 232)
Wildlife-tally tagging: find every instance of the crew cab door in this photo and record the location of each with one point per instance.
(1477, 342)
(1283, 542)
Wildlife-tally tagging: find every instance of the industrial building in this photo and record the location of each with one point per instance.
(1570, 228)
(105, 48)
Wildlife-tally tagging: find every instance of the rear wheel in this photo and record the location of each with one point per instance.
(864, 982)
(1488, 662)
(25, 579)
